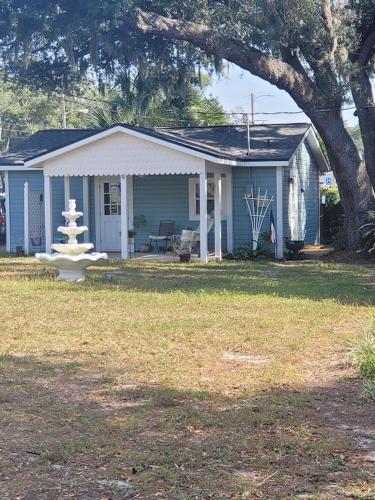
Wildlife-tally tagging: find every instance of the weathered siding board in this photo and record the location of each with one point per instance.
(305, 173)
(162, 197)
(243, 179)
(17, 180)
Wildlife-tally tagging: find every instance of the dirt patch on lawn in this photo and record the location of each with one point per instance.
(154, 442)
(349, 257)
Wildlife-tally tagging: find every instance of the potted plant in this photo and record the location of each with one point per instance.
(138, 221)
(182, 247)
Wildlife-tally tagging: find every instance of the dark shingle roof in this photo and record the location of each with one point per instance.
(42, 142)
(268, 142)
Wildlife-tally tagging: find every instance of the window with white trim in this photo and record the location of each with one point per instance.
(194, 197)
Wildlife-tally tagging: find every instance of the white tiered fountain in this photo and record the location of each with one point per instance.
(71, 258)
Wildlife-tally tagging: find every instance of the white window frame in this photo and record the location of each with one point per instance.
(193, 183)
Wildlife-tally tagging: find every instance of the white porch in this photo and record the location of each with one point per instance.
(124, 220)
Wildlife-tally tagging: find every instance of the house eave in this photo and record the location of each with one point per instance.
(40, 159)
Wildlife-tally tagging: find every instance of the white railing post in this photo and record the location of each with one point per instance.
(86, 207)
(26, 233)
(7, 212)
(124, 219)
(203, 217)
(218, 209)
(48, 212)
(279, 213)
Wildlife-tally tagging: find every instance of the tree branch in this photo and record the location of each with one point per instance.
(275, 71)
(367, 47)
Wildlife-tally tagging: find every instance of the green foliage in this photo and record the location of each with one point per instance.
(150, 108)
(368, 232)
(365, 356)
(368, 390)
(332, 226)
(339, 239)
(331, 194)
(23, 111)
(246, 252)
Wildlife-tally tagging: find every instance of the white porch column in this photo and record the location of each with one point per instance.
(66, 191)
(279, 213)
(26, 218)
(48, 212)
(218, 209)
(229, 212)
(203, 217)
(7, 211)
(130, 201)
(86, 208)
(124, 219)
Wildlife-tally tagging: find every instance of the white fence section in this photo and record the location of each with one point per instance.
(33, 220)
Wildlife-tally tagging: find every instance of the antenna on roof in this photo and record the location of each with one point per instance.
(248, 134)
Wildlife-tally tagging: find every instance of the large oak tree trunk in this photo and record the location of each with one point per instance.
(350, 172)
(363, 98)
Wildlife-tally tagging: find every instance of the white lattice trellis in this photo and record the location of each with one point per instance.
(257, 206)
(35, 220)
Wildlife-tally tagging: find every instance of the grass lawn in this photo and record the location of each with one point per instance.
(180, 382)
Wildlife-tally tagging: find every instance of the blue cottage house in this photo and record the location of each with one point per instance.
(186, 175)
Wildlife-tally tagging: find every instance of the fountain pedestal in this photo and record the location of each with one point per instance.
(71, 258)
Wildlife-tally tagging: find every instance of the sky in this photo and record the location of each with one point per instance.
(233, 91)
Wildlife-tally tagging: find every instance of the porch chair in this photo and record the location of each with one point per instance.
(194, 235)
(166, 230)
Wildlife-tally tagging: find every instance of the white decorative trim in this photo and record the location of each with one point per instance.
(7, 212)
(111, 171)
(124, 218)
(86, 207)
(26, 218)
(229, 190)
(279, 213)
(203, 217)
(18, 168)
(218, 209)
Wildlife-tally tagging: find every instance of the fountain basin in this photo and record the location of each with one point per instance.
(72, 248)
(72, 231)
(71, 267)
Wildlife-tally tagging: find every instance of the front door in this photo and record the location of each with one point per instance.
(109, 193)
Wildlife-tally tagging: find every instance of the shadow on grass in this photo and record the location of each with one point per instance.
(347, 284)
(70, 430)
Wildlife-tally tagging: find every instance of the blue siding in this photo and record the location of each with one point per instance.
(165, 197)
(243, 179)
(305, 172)
(16, 205)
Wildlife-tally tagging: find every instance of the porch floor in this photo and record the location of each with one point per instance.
(157, 257)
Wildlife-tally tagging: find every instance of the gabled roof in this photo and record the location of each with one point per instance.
(269, 143)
